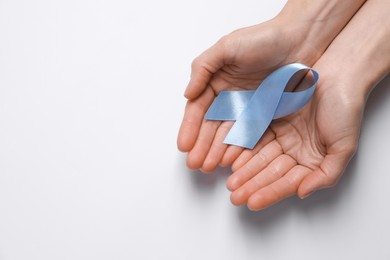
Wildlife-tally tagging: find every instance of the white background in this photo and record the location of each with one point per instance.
(90, 104)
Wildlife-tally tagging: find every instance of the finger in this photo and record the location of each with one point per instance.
(327, 175)
(239, 156)
(192, 120)
(197, 155)
(278, 190)
(256, 164)
(274, 171)
(218, 148)
(247, 154)
(231, 154)
(203, 68)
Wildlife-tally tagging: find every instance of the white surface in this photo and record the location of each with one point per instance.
(90, 104)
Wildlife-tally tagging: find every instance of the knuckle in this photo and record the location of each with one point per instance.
(227, 42)
(224, 40)
(261, 157)
(352, 149)
(273, 170)
(226, 126)
(331, 181)
(196, 62)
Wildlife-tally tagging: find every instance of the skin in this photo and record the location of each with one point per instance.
(235, 62)
(310, 149)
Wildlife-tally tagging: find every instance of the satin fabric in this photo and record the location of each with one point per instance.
(253, 110)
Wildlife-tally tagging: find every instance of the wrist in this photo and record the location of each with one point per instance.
(352, 77)
(358, 58)
(315, 24)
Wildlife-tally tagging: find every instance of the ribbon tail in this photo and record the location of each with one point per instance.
(228, 105)
(256, 117)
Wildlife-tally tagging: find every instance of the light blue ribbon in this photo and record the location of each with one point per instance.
(254, 110)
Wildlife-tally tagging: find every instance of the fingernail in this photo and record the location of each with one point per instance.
(307, 195)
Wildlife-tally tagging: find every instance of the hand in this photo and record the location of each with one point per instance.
(302, 152)
(309, 150)
(240, 60)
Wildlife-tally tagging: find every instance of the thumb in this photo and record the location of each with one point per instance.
(204, 67)
(327, 175)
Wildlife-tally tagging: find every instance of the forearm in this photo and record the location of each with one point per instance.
(316, 23)
(361, 53)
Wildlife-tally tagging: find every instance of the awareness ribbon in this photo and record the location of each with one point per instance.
(253, 110)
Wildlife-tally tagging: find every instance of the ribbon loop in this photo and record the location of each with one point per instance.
(253, 110)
